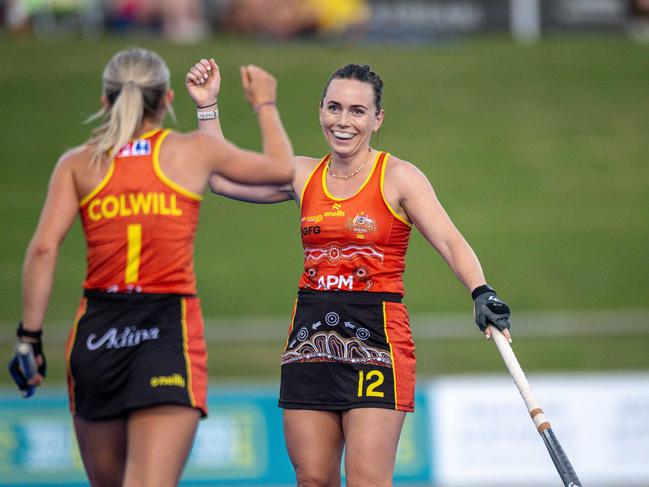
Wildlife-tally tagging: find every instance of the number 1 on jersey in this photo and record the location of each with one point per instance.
(134, 239)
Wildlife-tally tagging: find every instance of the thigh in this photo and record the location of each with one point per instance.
(102, 445)
(371, 439)
(159, 442)
(314, 440)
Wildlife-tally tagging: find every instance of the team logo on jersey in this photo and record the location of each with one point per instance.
(361, 225)
(140, 147)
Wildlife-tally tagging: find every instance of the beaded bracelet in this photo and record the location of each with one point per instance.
(257, 107)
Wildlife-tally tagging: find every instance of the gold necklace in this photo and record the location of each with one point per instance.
(336, 176)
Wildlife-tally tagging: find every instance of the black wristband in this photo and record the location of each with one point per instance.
(207, 106)
(485, 288)
(21, 332)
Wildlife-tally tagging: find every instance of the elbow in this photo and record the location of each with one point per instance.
(40, 250)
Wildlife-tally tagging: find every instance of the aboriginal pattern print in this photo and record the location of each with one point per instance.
(331, 347)
(335, 339)
(352, 244)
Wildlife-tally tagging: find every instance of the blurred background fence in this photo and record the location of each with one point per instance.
(528, 116)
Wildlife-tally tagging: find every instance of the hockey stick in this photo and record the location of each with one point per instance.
(559, 457)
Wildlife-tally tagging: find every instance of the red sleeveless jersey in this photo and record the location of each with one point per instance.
(140, 225)
(352, 244)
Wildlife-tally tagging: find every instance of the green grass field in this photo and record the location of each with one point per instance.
(539, 154)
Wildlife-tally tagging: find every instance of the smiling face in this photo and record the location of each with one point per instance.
(348, 116)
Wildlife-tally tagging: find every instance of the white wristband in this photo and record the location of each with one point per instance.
(211, 115)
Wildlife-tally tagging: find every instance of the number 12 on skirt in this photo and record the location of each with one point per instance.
(368, 383)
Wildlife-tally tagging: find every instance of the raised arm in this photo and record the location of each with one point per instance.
(419, 201)
(274, 164)
(251, 193)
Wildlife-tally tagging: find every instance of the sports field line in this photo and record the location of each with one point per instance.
(424, 326)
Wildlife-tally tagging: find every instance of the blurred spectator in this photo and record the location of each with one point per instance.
(283, 19)
(340, 16)
(180, 21)
(639, 25)
(50, 17)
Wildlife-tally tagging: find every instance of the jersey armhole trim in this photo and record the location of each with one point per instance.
(308, 180)
(163, 177)
(100, 186)
(394, 213)
(379, 155)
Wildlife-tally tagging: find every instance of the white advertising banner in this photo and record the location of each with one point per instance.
(483, 436)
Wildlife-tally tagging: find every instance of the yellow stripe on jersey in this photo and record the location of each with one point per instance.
(290, 328)
(68, 352)
(394, 365)
(306, 183)
(367, 180)
(100, 186)
(156, 167)
(188, 362)
(394, 213)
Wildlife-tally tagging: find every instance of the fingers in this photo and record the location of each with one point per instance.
(245, 77)
(482, 323)
(507, 335)
(202, 71)
(258, 84)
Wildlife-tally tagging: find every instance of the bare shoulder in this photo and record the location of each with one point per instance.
(75, 158)
(190, 140)
(77, 163)
(399, 171)
(305, 165)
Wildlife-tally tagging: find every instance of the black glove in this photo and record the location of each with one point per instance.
(22, 366)
(489, 309)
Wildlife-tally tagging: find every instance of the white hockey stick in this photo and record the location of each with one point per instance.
(559, 457)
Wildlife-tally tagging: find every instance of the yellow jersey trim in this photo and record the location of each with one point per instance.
(100, 186)
(188, 362)
(158, 171)
(367, 180)
(146, 135)
(68, 352)
(290, 327)
(308, 180)
(394, 366)
(394, 213)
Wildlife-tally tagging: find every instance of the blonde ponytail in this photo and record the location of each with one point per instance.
(135, 83)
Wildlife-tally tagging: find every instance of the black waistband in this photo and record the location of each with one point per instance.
(132, 297)
(353, 297)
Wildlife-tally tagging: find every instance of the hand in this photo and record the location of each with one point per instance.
(489, 309)
(28, 367)
(203, 82)
(259, 86)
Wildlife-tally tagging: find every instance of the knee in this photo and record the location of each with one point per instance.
(104, 479)
(368, 479)
(310, 478)
(368, 483)
(108, 474)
